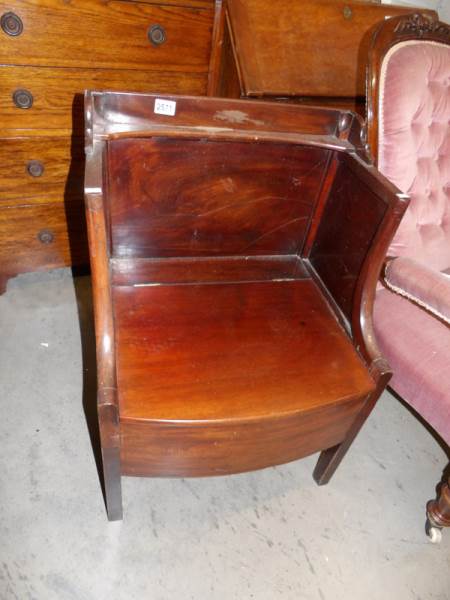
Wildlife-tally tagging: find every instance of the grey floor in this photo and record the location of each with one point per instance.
(263, 535)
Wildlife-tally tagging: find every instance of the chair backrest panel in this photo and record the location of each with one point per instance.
(414, 145)
(351, 220)
(173, 197)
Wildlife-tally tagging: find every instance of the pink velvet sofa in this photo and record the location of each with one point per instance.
(409, 138)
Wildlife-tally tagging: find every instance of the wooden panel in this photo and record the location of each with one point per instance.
(231, 351)
(183, 450)
(351, 218)
(313, 48)
(63, 162)
(143, 271)
(223, 78)
(92, 33)
(181, 198)
(20, 247)
(58, 93)
(129, 112)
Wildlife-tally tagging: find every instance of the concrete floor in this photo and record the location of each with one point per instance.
(263, 535)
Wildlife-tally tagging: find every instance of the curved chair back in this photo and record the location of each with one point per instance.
(409, 129)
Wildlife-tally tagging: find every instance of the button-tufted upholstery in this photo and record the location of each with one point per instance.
(414, 153)
(414, 146)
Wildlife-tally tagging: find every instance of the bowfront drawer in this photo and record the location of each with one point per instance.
(119, 34)
(41, 170)
(49, 98)
(42, 237)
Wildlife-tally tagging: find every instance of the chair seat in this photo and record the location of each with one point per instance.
(223, 351)
(417, 346)
(219, 378)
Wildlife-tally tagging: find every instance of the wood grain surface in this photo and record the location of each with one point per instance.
(312, 48)
(110, 34)
(58, 92)
(183, 198)
(134, 271)
(231, 351)
(62, 179)
(221, 338)
(170, 449)
(19, 237)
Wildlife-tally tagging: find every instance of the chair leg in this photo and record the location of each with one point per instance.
(108, 421)
(327, 464)
(330, 459)
(3, 283)
(438, 513)
(113, 485)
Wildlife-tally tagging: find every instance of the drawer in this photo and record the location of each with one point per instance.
(56, 95)
(94, 33)
(42, 237)
(41, 170)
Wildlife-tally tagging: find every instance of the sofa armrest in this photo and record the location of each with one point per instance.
(428, 288)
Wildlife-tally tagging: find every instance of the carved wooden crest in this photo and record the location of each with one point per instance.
(422, 25)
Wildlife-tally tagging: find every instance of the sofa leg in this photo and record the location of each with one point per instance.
(113, 484)
(438, 513)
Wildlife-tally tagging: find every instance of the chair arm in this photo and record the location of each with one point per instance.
(428, 288)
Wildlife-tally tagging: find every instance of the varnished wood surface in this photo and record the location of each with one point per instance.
(58, 92)
(438, 511)
(19, 237)
(63, 49)
(207, 270)
(312, 48)
(217, 354)
(124, 113)
(155, 449)
(111, 34)
(63, 163)
(223, 77)
(230, 352)
(181, 198)
(340, 248)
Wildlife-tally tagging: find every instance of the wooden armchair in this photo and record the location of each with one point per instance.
(235, 249)
(409, 136)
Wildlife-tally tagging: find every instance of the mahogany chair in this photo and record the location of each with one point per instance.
(409, 136)
(235, 249)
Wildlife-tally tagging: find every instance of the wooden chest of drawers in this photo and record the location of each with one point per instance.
(50, 52)
(307, 51)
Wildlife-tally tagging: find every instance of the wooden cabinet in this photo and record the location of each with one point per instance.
(313, 51)
(50, 52)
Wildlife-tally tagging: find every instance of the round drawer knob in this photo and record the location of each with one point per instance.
(45, 236)
(23, 99)
(35, 168)
(11, 24)
(156, 35)
(348, 13)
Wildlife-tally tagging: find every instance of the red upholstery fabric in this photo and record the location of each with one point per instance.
(420, 284)
(414, 146)
(417, 346)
